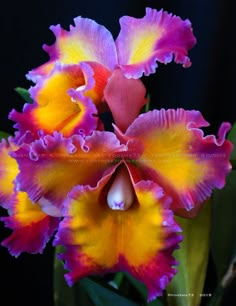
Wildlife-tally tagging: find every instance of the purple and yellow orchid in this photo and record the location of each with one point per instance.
(110, 197)
(83, 59)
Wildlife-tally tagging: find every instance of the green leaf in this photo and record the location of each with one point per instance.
(118, 279)
(232, 138)
(156, 302)
(146, 107)
(141, 288)
(223, 238)
(63, 294)
(86, 292)
(101, 296)
(187, 285)
(4, 135)
(24, 93)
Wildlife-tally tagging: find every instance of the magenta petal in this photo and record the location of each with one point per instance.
(85, 41)
(31, 238)
(157, 274)
(178, 157)
(158, 36)
(125, 97)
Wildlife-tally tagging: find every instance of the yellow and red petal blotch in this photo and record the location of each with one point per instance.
(32, 228)
(8, 172)
(64, 101)
(140, 240)
(177, 156)
(51, 166)
(100, 75)
(158, 36)
(85, 41)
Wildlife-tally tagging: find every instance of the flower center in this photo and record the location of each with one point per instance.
(121, 194)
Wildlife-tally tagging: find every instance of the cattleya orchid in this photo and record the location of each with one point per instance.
(108, 197)
(83, 59)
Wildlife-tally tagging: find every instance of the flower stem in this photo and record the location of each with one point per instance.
(224, 284)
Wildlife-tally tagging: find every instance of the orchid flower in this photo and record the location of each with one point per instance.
(68, 94)
(110, 197)
(110, 187)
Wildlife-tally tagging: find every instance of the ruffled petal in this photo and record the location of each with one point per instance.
(51, 166)
(158, 36)
(176, 154)
(100, 76)
(85, 41)
(63, 101)
(8, 172)
(125, 97)
(32, 228)
(139, 240)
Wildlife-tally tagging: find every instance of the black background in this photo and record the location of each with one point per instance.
(209, 86)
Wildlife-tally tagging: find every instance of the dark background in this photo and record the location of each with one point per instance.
(209, 86)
